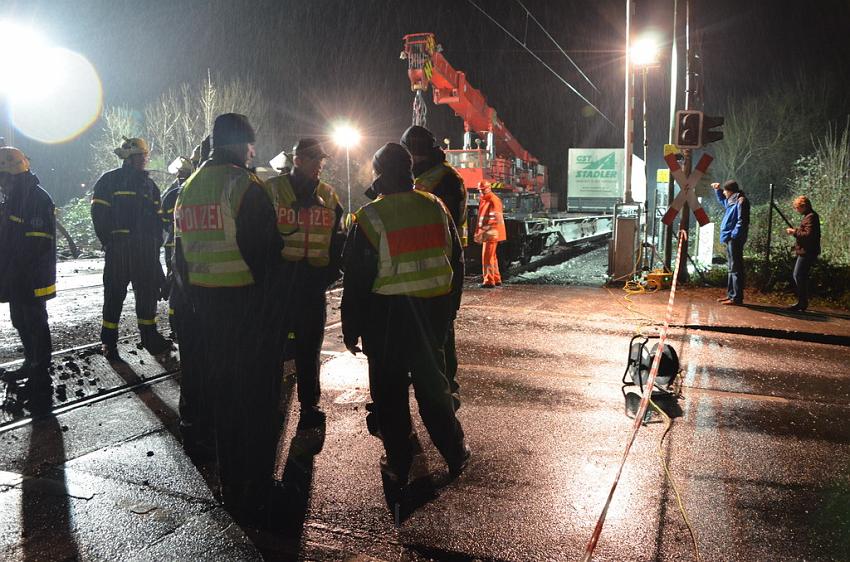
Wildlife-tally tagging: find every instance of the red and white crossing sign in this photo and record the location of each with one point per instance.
(687, 185)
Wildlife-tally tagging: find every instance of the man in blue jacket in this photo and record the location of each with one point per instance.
(733, 233)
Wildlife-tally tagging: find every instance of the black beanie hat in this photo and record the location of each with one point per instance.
(419, 140)
(232, 128)
(393, 161)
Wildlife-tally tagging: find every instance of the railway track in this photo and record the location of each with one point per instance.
(82, 376)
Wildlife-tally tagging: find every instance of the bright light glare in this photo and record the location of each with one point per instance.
(59, 96)
(25, 53)
(346, 136)
(645, 52)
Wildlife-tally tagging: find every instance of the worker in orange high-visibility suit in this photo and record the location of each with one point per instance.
(489, 232)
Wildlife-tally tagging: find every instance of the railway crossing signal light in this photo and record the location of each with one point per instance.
(706, 133)
(688, 129)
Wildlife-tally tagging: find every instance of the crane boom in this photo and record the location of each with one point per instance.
(504, 160)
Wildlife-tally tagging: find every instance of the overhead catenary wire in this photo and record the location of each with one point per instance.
(563, 52)
(541, 61)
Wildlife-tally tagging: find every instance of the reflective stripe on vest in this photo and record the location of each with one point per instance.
(410, 231)
(307, 232)
(427, 181)
(205, 221)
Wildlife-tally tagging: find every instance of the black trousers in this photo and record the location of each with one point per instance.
(735, 279)
(309, 315)
(404, 344)
(451, 364)
(30, 320)
(130, 261)
(237, 368)
(196, 398)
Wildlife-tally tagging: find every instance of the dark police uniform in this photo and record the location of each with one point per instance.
(227, 255)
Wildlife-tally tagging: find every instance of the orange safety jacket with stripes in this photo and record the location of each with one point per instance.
(491, 219)
(27, 241)
(411, 233)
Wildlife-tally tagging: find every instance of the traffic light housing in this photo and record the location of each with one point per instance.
(706, 133)
(688, 129)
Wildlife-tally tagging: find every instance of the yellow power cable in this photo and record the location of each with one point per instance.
(632, 287)
(668, 425)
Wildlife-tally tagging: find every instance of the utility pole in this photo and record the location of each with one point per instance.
(628, 133)
(684, 222)
(674, 98)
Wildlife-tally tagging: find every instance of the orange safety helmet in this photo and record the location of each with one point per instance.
(484, 185)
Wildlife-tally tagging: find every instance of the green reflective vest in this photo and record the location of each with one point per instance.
(306, 232)
(205, 221)
(410, 230)
(428, 181)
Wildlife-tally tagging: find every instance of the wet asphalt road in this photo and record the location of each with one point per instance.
(760, 453)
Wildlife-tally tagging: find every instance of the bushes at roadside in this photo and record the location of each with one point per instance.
(75, 216)
(829, 281)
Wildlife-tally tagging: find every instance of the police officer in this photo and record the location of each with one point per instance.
(195, 420)
(127, 219)
(432, 173)
(27, 266)
(227, 255)
(397, 297)
(308, 219)
(185, 167)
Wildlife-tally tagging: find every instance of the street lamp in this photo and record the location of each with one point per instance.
(346, 136)
(17, 70)
(644, 55)
(48, 93)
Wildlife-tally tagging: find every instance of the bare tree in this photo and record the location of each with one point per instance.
(764, 135)
(117, 122)
(180, 118)
(161, 119)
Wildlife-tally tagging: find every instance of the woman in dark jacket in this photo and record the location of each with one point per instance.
(807, 248)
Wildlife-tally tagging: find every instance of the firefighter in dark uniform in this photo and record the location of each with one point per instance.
(184, 169)
(308, 219)
(400, 258)
(227, 257)
(27, 266)
(127, 219)
(432, 173)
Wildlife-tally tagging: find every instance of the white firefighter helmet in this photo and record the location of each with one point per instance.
(181, 166)
(283, 162)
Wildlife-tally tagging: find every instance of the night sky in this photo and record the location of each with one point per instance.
(320, 60)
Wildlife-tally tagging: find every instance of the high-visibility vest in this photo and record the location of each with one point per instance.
(410, 230)
(205, 221)
(430, 179)
(306, 232)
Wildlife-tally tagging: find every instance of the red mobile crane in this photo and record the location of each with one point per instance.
(502, 161)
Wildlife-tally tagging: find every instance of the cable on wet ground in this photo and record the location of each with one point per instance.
(638, 422)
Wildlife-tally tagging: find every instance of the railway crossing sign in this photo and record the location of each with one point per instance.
(687, 185)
